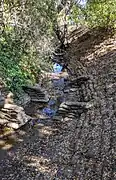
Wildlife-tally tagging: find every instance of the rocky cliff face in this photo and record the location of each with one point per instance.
(94, 137)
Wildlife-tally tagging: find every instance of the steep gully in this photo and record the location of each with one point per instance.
(79, 142)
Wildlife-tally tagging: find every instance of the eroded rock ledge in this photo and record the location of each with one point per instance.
(14, 116)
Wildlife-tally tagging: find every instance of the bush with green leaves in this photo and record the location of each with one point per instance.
(95, 13)
(101, 13)
(25, 37)
(17, 67)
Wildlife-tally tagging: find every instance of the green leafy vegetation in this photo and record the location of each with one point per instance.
(17, 64)
(25, 41)
(101, 13)
(95, 13)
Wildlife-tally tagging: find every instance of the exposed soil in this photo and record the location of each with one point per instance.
(77, 145)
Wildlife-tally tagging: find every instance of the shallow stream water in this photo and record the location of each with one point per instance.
(57, 97)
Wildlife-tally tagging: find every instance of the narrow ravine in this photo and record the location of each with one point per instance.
(74, 135)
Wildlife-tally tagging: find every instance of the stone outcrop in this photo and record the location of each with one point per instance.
(13, 116)
(36, 93)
